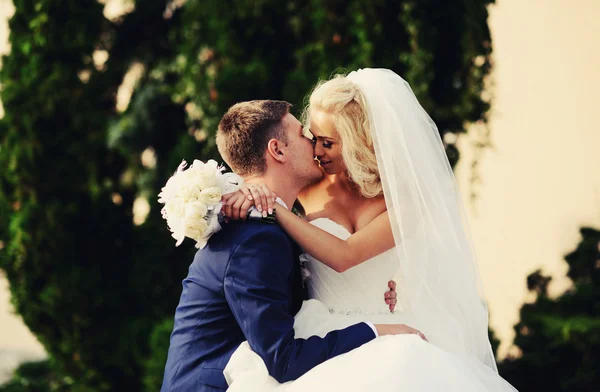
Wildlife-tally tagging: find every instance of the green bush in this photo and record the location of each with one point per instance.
(36, 377)
(560, 337)
(159, 346)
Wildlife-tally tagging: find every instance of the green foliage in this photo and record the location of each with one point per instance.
(88, 282)
(36, 377)
(560, 337)
(159, 346)
(494, 341)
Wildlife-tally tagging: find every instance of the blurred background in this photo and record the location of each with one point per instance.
(100, 101)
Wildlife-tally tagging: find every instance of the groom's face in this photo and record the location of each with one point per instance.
(302, 164)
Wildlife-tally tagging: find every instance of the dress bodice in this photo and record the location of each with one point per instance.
(358, 290)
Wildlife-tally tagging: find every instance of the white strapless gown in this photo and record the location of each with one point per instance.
(390, 363)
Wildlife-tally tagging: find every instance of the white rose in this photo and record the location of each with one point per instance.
(195, 229)
(195, 211)
(190, 190)
(211, 165)
(205, 174)
(175, 208)
(207, 179)
(197, 165)
(170, 190)
(177, 227)
(210, 196)
(178, 234)
(173, 212)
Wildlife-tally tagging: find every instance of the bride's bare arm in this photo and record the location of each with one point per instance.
(340, 255)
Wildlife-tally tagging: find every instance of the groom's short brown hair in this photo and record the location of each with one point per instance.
(245, 130)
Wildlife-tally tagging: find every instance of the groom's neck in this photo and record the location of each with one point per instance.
(281, 185)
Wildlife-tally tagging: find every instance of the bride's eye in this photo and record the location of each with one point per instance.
(327, 144)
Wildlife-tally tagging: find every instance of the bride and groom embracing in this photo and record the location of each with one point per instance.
(380, 202)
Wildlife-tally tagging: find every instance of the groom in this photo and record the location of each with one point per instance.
(246, 283)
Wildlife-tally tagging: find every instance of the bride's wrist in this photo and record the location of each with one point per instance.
(256, 215)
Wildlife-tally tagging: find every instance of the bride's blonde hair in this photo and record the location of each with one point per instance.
(347, 106)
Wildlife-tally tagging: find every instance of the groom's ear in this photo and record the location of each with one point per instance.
(276, 149)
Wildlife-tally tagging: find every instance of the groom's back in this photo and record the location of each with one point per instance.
(206, 333)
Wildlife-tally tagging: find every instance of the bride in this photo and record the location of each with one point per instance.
(387, 207)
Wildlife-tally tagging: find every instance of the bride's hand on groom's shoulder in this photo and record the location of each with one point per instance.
(237, 204)
(398, 329)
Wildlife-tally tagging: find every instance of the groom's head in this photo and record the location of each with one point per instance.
(258, 137)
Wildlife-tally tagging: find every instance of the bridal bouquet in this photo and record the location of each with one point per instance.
(192, 200)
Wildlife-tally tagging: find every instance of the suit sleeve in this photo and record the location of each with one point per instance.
(257, 288)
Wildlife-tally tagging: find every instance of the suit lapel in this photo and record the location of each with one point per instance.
(299, 292)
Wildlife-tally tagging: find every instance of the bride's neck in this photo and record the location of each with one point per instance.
(343, 181)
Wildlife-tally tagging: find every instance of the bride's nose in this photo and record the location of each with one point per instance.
(319, 150)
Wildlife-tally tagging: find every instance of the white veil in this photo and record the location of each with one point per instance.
(439, 287)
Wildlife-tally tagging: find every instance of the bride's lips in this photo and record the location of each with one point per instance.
(323, 163)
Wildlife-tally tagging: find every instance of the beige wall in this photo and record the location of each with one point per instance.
(541, 182)
(539, 185)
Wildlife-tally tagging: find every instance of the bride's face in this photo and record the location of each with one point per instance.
(328, 149)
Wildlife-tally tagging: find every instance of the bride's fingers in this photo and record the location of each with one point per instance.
(259, 197)
(226, 210)
(235, 208)
(245, 208)
(392, 285)
(391, 303)
(225, 198)
(390, 295)
(229, 200)
(245, 191)
(269, 198)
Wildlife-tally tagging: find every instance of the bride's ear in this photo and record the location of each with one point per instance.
(275, 148)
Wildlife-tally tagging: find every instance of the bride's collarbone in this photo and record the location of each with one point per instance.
(352, 216)
(348, 209)
(333, 216)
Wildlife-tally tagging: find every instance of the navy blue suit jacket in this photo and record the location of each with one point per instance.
(246, 285)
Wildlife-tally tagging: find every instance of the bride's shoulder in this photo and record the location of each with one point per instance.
(368, 210)
(374, 204)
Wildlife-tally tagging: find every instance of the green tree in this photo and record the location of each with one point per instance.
(36, 377)
(98, 289)
(560, 337)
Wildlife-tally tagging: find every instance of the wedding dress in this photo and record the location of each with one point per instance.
(389, 363)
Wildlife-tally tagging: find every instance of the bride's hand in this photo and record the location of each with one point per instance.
(237, 204)
(390, 295)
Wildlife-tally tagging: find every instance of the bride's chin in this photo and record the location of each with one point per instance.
(327, 169)
(331, 172)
